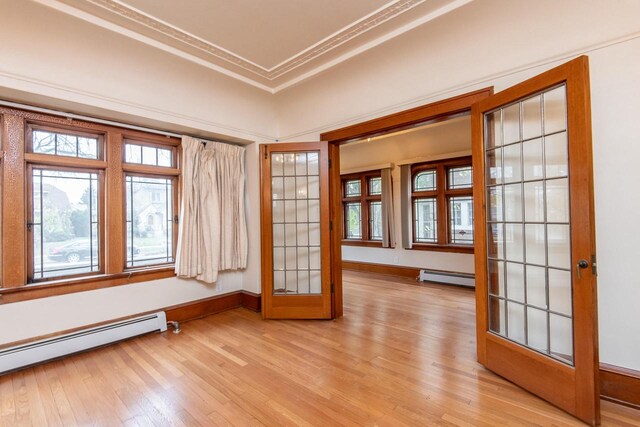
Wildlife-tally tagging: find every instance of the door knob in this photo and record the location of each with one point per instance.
(583, 263)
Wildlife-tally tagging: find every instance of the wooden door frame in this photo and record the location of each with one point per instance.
(430, 113)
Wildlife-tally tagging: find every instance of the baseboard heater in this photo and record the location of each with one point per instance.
(460, 279)
(21, 356)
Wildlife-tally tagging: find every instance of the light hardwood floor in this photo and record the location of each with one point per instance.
(402, 355)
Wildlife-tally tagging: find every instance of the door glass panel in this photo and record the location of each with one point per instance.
(496, 278)
(534, 201)
(513, 202)
(555, 110)
(532, 159)
(511, 163)
(556, 156)
(515, 281)
(537, 335)
(513, 242)
(532, 118)
(494, 166)
(511, 123)
(536, 286)
(295, 195)
(497, 320)
(515, 322)
(494, 129)
(528, 210)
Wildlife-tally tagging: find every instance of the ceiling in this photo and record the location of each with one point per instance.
(271, 44)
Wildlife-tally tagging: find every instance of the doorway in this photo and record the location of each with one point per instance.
(534, 222)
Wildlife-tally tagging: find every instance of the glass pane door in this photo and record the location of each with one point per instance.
(295, 197)
(296, 234)
(528, 224)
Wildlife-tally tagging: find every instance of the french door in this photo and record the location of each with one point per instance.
(296, 253)
(535, 242)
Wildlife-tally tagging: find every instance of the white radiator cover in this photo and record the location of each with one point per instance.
(39, 351)
(460, 279)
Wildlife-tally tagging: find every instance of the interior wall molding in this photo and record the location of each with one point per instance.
(457, 89)
(620, 385)
(351, 31)
(392, 270)
(53, 90)
(181, 313)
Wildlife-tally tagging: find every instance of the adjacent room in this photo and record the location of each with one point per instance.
(296, 212)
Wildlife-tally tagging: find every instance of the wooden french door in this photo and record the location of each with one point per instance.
(296, 253)
(535, 238)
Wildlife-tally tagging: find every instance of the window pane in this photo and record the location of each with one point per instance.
(132, 153)
(149, 221)
(152, 156)
(375, 186)
(425, 181)
(461, 220)
(352, 188)
(375, 221)
(64, 223)
(164, 157)
(149, 156)
(460, 177)
(354, 219)
(426, 220)
(62, 144)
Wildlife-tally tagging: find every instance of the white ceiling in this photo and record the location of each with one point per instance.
(270, 44)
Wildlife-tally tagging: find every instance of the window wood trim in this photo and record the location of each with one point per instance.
(441, 194)
(364, 199)
(14, 247)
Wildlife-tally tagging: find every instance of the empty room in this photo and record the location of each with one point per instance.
(296, 212)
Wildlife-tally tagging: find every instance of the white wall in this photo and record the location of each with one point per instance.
(499, 43)
(54, 60)
(439, 139)
(48, 53)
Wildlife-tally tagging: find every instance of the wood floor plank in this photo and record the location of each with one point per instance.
(402, 355)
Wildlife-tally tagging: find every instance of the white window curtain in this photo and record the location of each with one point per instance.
(388, 226)
(212, 235)
(405, 206)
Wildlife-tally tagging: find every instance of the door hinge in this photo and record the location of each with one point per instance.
(266, 153)
(594, 265)
(329, 163)
(176, 219)
(330, 225)
(333, 288)
(29, 226)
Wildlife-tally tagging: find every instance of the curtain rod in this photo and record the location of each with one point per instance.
(104, 121)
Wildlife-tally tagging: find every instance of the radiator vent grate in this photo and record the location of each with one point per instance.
(460, 279)
(29, 354)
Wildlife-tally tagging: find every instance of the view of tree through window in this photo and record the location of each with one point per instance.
(150, 220)
(60, 144)
(64, 223)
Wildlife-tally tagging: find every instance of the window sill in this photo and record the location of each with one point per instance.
(81, 284)
(441, 248)
(369, 243)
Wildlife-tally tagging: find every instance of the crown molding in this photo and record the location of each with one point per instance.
(351, 31)
(456, 89)
(116, 16)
